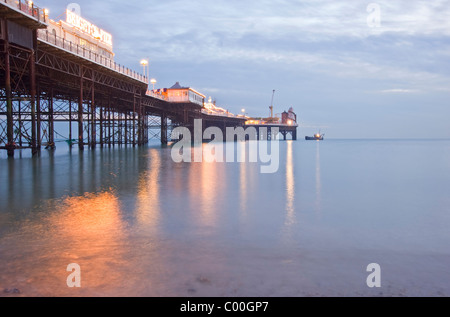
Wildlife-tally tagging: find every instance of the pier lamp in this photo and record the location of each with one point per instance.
(46, 12)
(243, 112)
(153, 82)
(144, 64)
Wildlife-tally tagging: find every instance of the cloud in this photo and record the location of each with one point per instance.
(312, 49)
(328, 37)
(399, 91)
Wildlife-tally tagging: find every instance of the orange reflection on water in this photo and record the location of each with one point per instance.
(89, 230)
(243, 179)
(206, 181)
(148, 195)
(209, 191)
(90, 214)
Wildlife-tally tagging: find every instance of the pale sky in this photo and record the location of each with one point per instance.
(330, 60)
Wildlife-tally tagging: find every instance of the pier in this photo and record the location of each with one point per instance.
(48, 78)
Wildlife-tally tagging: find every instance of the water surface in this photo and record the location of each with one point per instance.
(139, 224)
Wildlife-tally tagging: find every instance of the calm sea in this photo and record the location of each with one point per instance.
(139, 224)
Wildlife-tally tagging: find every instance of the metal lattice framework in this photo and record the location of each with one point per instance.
(159, 129)
(49, 94)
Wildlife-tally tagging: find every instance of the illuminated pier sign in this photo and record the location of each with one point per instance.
(88, 28)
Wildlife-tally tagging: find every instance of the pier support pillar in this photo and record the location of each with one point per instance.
(110, 124)
(126, 128)
(80, 115)
(164, 139)
(51, 123)
(142, 123)
(34, 146)
(70, 123)
(93, 118)
(38, 119)
(133, 138)
(10, 146)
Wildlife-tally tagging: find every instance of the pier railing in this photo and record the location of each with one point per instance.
(153, 94)
(218, 113)
(49, 38)
(28, 8)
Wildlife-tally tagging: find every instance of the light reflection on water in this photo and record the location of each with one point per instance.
(141, 225)
(290, 185)
(148, 194)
